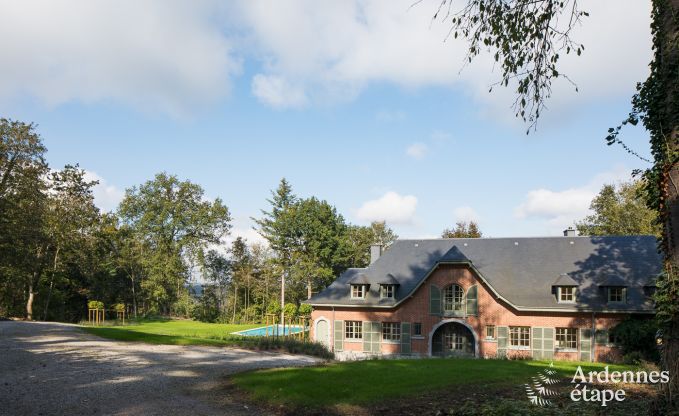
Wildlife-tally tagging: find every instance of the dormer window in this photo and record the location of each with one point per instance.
(359, 291)
(617, 294)
(566, 294)
(387, 291)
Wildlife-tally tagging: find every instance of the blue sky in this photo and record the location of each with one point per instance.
(359, 103)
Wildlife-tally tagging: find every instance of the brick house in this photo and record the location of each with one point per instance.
(552, 297)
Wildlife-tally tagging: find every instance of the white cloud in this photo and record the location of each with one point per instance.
(107, 197)
(561, 208)
(391, 207)
(417, 150)
(277, 92)
(465, 213)
(157, 55)
(342, 47)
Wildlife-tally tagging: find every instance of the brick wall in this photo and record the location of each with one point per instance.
(491, 311)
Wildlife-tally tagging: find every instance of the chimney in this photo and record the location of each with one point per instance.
(375, 252)
(569, 232)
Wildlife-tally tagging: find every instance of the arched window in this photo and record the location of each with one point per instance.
(452, 298)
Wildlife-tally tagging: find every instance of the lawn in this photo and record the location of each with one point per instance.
(368, 382)
(174, 332)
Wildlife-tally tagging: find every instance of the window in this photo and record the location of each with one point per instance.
(612, 339)
(567, 338)
(567, 294)
(417, 329)
(490, 332)
(519, 336)
(358, 291)
(353, 329)
(616, 294)
(452, 298)
(453, 341)
(387, 291)
(391, 331)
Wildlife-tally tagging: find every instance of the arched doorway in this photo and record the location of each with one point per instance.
(322, 333)
(453, 338)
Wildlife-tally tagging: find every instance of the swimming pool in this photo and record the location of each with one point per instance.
(272, 330)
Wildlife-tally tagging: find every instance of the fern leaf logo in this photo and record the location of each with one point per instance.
(537, 391)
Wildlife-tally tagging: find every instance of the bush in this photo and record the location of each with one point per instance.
(636, 338)
(290, 310)
(95, 304)
(305, 309)
(119, 307)
(274, 308)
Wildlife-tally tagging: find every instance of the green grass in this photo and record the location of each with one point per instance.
(173, 332)
(365, 382)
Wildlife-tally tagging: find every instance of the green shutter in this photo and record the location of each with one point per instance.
(548, 343)
(502, 334)
(624, 295)
(372, 336)
(434, 300)
(536, 343)
(601, 336)
(472, 301)
(585, 344)
(367, 337)
(339, 335)
(543, 343)
(405, 337)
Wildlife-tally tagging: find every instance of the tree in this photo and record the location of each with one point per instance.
(526, 37)
(71, 221)
(24, 243)
(177, 224)
(319, 247)
(463, 229)
(360, 238)
(620, 210)
(275, 227)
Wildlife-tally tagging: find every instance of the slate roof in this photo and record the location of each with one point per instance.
(520, 271)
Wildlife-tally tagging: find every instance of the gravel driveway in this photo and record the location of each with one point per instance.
(57, 369)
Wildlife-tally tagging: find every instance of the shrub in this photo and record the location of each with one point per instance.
(305, 309)
(95, 304)
(274, 308)
(290, 310)
(636, 338)
(119, 307)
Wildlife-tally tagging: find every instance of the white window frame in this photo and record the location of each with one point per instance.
(391, 332)
(353, 330)
(387, 291)
(494, 335)
(457, 306)
(560, 293)
(363, 289)
(520, 338)
(570, 336)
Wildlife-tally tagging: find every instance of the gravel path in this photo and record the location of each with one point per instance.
(57, 369)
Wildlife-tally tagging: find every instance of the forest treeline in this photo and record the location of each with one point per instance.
(166, 239)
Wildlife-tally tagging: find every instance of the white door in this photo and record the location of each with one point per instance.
(322, 333)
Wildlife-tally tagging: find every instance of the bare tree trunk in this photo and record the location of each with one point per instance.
(49, 293)
(235, 302)
(134, 296)
(29, 302)
(282, 297)
(308, 288)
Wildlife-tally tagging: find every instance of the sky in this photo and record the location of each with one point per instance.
(366, 104)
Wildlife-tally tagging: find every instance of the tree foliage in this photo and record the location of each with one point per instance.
(620, 210)
(463, 229)
(526, 39)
